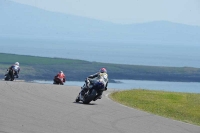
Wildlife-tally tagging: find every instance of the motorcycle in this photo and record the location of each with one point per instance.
(58, 81)
(10, 75)
(92, 94)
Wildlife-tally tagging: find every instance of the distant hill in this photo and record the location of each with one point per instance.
(35, 68)
(23, 20)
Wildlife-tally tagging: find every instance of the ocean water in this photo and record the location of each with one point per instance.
(119, 53)
(190, 87)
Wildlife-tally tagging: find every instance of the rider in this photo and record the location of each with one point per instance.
(16, 69)
(102, 74)
(60, 77)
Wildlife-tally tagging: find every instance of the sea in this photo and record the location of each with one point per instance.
(188, 87)
(171, 55)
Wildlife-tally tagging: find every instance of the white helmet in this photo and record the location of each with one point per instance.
(61, 72)
(17, 63)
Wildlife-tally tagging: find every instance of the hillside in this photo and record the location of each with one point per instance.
(42, 68)
(18, 20)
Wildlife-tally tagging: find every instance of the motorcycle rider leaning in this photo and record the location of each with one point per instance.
(102, 74)
(60, 77)
(16, 69)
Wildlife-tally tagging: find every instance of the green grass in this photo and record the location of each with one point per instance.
(179, 106)
(35, 60)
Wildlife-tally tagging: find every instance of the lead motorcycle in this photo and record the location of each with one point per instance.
(10, 75)
(92, 94)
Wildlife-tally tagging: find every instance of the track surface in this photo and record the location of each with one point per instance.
(45, 108)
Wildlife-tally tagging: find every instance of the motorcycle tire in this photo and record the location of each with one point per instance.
(77, 99)
(11, 75)
(6, 78)
(89, 97)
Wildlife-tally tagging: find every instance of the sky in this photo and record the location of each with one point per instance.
(125, 11)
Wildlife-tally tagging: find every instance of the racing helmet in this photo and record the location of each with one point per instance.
(17, 63)
(103, 70)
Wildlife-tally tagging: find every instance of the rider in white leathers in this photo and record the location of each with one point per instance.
(99, 76)
(16, 68)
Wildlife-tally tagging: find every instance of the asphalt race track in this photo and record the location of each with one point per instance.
(45, 108)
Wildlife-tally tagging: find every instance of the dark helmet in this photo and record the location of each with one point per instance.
(103, 70)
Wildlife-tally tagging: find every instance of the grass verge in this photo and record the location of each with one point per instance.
(178, 106)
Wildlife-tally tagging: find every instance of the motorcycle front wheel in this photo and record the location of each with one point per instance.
(7, 78)
(77, 98)
(89, 97)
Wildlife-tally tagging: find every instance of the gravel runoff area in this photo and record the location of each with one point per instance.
(47, 108)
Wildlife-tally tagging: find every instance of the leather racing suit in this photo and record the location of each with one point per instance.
(91, 79)
(16, 70)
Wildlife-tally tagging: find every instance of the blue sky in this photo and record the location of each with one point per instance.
(126, 11)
